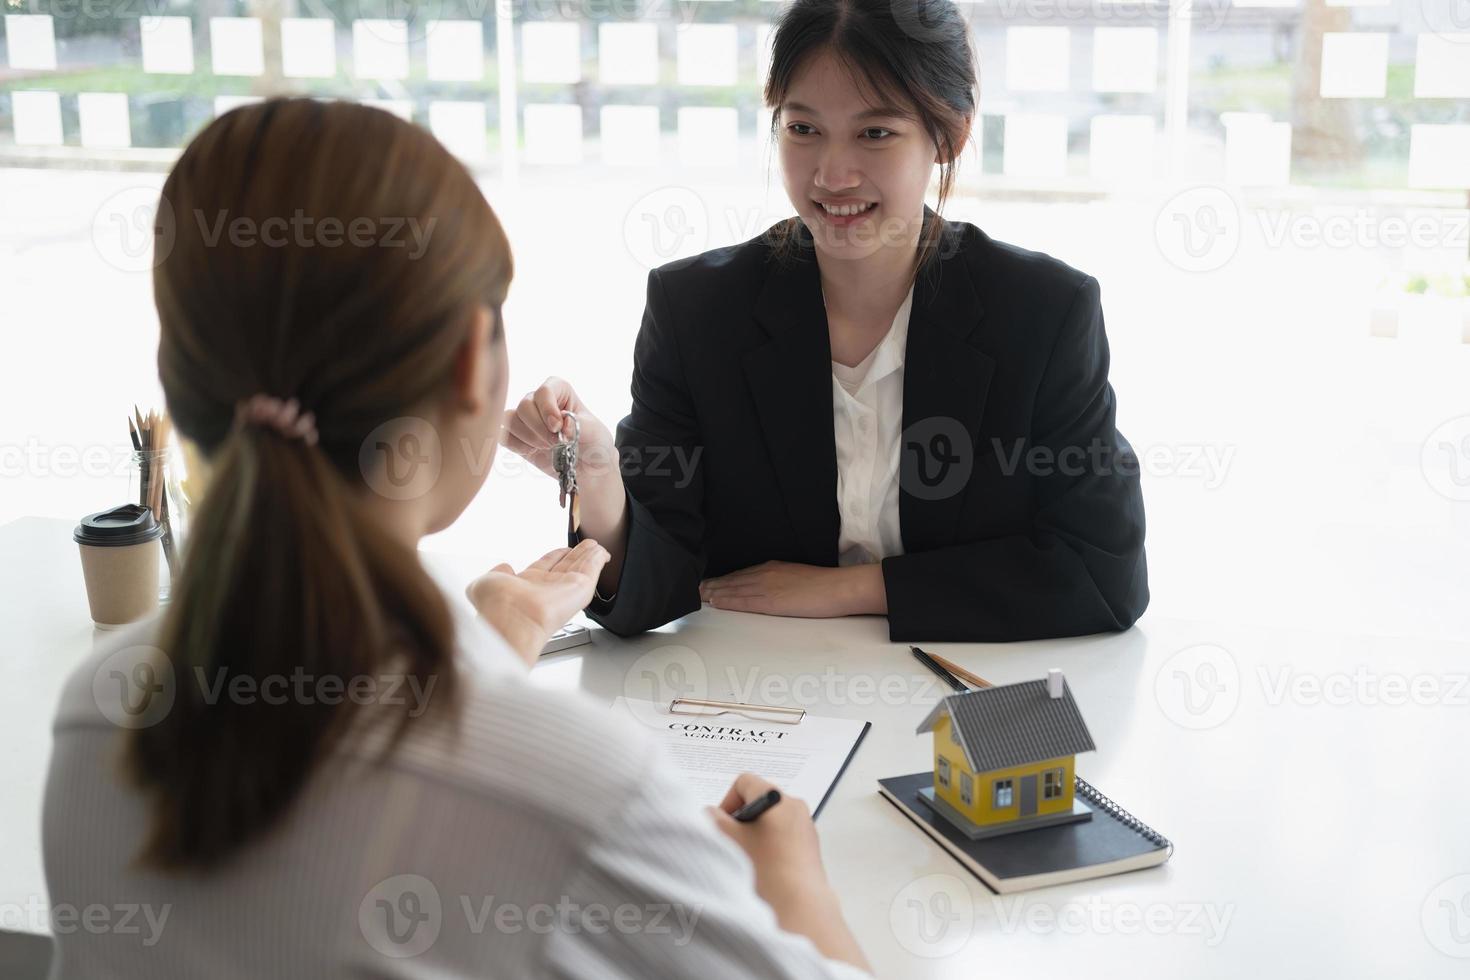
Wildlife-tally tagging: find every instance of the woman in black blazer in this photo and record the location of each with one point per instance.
(1018, 501)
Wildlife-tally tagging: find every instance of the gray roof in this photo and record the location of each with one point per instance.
(1014, 724)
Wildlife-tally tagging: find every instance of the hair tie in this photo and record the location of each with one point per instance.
(284, 417)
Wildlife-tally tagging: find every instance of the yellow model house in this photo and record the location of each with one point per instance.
(1003, 757)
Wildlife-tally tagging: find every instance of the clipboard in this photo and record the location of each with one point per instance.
(777, 714)
(826, 746)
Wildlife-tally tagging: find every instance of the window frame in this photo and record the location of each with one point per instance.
(1007, 786)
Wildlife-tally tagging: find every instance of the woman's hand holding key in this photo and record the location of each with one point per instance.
(537, 424)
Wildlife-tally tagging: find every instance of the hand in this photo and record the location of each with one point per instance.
(782, 846)
(536, 424)
(781, 843)
(527, 608)
(780, 588)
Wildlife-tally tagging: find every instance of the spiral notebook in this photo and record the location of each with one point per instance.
(1112, 842)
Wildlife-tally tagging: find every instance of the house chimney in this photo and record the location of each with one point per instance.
(1054, 682)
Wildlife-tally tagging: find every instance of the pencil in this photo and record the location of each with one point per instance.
(969, 677)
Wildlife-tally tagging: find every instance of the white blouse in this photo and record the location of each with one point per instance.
(867, 418)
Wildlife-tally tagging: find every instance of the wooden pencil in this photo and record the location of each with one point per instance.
(969, 677)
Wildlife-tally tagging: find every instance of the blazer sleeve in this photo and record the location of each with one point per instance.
(1081, 569)
(663, 475)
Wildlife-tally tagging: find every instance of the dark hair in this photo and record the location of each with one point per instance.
(909, 52)
(283, 570)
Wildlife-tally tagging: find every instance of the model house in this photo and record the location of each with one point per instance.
(1003, 756)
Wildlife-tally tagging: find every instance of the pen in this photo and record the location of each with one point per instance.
(757, 806)
(944, 675)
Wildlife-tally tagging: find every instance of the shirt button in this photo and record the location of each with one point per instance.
(863, 423)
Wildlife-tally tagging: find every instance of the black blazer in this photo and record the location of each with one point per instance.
(1020, 509)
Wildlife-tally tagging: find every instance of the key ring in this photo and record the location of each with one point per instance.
(576, 427)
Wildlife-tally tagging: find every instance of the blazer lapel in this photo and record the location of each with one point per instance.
(790, 379)
(945, 382)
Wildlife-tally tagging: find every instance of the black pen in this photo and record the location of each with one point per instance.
(954, 682)
(757, 806)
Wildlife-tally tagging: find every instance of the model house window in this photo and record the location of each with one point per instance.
(1003, 793)
(967, 789)
(1051, 784)
(943, 771)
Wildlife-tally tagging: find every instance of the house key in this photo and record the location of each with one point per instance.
(564, 461)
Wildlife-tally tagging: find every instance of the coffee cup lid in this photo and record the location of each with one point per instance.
(128, 524)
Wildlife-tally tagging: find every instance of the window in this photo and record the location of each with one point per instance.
(967, 789)
(942, 771)
(1003, 793)
(1051, 784)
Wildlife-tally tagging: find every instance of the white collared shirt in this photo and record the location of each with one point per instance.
(867, 419)
(538, 800)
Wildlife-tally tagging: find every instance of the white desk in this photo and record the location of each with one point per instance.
(1318, 833)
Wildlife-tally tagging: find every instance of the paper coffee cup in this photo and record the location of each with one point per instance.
(120, 549)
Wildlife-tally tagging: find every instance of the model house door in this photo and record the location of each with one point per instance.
(1028, 795)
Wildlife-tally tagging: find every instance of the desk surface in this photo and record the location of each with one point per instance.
(1314, 784)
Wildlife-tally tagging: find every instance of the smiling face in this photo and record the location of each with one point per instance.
(855, 163)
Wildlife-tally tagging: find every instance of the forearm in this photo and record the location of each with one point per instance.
(862, 590)
(812, 910)
(604, 506)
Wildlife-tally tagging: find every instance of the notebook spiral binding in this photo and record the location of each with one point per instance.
(1096, 797)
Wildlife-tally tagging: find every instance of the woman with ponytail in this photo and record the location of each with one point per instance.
(313, 762)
